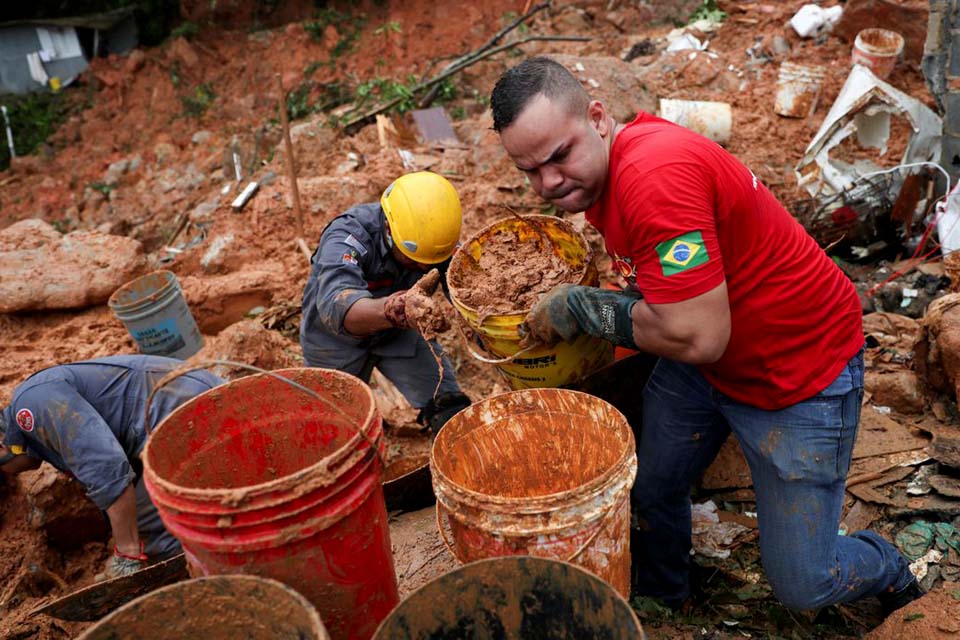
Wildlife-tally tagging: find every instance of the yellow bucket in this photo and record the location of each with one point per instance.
(562, 364)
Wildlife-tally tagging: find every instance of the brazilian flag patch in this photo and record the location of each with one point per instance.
(682, 253)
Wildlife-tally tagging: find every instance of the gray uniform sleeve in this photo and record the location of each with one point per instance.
(66, 423)
(341, 282)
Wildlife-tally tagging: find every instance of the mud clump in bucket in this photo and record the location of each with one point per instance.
(512, 273)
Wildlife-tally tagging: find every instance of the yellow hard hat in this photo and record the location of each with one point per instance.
(423, 212)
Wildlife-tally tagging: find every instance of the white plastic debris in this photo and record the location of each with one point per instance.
(713, 120)
(680, 41)
(812, 20)
(948, 221)
(864, 107)
(920, 566)
(711, 537)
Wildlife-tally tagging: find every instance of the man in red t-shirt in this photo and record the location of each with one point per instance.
(757, 330)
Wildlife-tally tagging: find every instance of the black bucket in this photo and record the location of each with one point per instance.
(518, 597)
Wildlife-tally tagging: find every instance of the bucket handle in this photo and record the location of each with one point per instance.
(477, 356)
(572, 558)
(203, 364)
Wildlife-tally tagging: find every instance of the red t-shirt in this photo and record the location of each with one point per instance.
(679, 215)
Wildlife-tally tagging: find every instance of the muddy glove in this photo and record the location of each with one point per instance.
(394, 309)
(569, 310)
(121, 564)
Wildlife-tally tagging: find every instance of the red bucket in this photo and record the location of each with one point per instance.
(256, 476)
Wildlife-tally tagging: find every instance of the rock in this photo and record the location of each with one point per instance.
(896, 387)
(219, 301)
(203, 211)
(116, 170)
(182, 51)
(315, 130)
(201, 137)
(251, 343)
(163, 151)
(618, 84)
(60, 508)
(937, 351)
(135, 61)
(906, 17)
(779, 46)
(40, 269)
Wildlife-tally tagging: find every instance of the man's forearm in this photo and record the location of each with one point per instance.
(123, 521)
(365, 317)
(653, 334)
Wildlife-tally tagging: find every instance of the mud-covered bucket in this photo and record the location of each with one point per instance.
(562, 364)
(798, 89)
(520, 598)
(154, 311)
(214, 608)
(258, 476)
(878, 50)
(542, 472)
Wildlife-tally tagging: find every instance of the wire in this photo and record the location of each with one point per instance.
(910, 165)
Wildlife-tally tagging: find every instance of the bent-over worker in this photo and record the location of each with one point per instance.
(87, 420)
(353, 303)
(757, 331)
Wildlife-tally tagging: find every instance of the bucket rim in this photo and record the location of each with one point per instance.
(590, 486)
(463, 570)
(171, 282)
(372, 426)
(869, 49)
(493, 226)
(311, 611)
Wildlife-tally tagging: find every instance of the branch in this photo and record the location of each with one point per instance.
(355, 124)
(497, 37)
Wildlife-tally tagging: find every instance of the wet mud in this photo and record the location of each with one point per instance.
(511, 273)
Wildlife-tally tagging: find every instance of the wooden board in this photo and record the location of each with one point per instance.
(97, 600)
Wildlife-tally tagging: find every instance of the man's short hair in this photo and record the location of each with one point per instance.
(517, 86)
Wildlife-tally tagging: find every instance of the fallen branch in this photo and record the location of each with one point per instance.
(361, 121)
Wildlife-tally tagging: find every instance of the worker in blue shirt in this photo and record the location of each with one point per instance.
(353, 303)
(87, 420)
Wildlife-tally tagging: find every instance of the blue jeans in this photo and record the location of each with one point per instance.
(799, 458)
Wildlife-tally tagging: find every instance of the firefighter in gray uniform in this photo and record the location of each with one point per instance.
(87, 420)
(353, 303)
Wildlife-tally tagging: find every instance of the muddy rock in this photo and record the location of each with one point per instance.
(183, 52)
(251, 343)
(729, 470)
(906, 17)
(894, 387)
(60, 508)
(334, 194)
(614, 82)
(40, 269)
(219, 301)
(135, 61)
(937, 358)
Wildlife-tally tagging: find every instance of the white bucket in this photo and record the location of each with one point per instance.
(798, 90)
(711, 119)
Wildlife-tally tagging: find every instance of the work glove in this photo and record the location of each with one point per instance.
(569, 310)
(121, 564)
(394, 309)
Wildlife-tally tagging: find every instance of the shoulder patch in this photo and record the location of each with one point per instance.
(25, 419)
(356, 244)
(682, 253)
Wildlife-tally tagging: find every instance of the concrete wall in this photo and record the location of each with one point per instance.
(941, 67)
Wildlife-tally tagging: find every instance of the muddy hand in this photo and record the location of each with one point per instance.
(394, 309)
(550, 320)
(428, 283)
